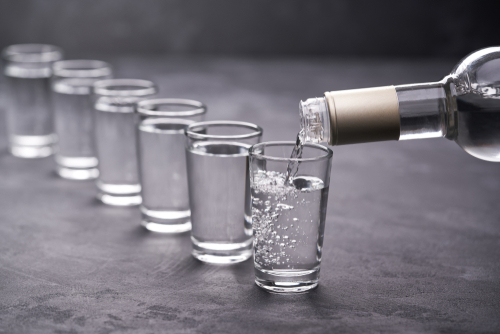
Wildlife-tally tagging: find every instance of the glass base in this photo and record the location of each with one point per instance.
(119, 194)
(77, 168)
(31, 152)
(276, 287)
(287, 281)
(222, 253)
(166, 228)
(77, 174)
(115, 200)
(163, 221)
(30, 147)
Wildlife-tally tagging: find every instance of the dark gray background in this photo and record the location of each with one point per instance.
(363, 28)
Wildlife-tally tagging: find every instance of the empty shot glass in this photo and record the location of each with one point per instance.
(219, 193)
(115, 138)
(28, 68)
(72, 83)
(288, 216)
(162, 162)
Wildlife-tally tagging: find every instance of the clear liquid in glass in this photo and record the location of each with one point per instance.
(73, 110)
(29, 114)
(288, 225)
(115, 138)
(219, 195)
(163, 173)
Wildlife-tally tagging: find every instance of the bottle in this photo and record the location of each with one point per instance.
(464, 106)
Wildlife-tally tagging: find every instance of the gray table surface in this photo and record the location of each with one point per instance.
(412, 241)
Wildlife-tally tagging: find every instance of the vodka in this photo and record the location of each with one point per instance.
(163, 174)
(115, 138)
(218, 193)
(286, 220)
(29, 116)
(293, 165)
(288, 214)
(73, 111)
(464, 106)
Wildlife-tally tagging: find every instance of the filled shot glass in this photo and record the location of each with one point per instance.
(27, 69)
(72, 83)
(115, 138)
(162, 162)
(288, 214)
(219, 192)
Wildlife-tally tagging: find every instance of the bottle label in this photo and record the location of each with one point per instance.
(363, 115)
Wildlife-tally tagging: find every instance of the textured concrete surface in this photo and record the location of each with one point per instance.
(412, 239)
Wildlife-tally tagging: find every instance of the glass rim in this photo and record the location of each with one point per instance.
(81, 68)
(198, 107)
(257, 130)
(144, 87)
(252, 153)
(32, 53)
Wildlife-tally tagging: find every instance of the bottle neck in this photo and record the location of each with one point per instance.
(424, 110)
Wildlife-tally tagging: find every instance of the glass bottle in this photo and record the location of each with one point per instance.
(464, 106)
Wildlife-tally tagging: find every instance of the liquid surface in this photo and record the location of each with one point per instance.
(479, 126)
(288, 221)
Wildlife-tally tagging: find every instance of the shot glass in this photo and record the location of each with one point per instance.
(28, 68)
(115, 138)
(162, 162)
(219, 192)
(72, 83)
(288, 217)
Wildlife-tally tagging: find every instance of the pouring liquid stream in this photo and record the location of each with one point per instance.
(293, 165)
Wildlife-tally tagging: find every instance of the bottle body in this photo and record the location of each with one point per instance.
(464, 106)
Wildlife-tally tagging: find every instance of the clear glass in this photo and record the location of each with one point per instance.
(219, 189)
(464, 106)
(162, 162)
(288, 218)
(27, 69)
(72, 82)
(115, 138)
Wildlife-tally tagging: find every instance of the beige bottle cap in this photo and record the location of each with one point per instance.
(363, 115)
